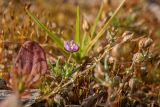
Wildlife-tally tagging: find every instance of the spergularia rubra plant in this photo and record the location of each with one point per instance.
(71, 46)
(30, 66)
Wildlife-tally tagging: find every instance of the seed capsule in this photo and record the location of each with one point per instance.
(127, 35)
(145, 43)
(137, 57)
(85, 25)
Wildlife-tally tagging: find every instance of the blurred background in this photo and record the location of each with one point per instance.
(140, 16)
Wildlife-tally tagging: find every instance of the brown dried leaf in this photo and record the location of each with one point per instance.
(30, 64)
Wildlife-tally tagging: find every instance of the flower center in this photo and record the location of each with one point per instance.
(72, 45)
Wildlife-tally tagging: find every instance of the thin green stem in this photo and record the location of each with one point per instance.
(100, 33)
(69, 58)
(96, 21)
(83, 40)
(60, 87)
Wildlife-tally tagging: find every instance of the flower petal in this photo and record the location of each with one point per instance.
(66, 46)
(71, 46)
(75, 48)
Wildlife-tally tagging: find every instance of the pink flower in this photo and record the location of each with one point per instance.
(71, 46)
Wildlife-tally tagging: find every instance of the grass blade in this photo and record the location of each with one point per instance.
(100, 33)
(52, 35)
(96, 21)
(77, 36)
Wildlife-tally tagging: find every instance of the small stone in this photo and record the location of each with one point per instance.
(145, 43)
(5, 93)
(31, 98)
(11, 101)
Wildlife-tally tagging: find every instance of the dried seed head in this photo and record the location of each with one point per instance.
(127, 35)
(116, 51)
(148, 42)
(85, 25)
(122, 51)
(145, 43)
(138, 57)
(27, 6)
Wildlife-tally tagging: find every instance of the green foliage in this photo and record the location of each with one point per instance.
(103, 29)
(87, 42)
(77, 55)
(51, 34)
(96, 21)
(55, 68)
(77, 35)
(116, 22)
(62, 70)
